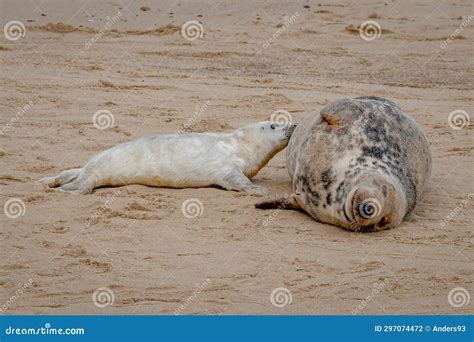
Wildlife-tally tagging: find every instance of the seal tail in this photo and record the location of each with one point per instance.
(285, 202)
(63, 178)
(373, 207)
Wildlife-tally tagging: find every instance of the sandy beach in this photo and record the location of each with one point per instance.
(140, 250)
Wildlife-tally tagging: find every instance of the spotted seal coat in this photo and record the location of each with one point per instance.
(360, 164)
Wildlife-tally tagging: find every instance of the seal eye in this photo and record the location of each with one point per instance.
(273, 126)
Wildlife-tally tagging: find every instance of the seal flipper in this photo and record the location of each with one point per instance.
(337, 112)
(285, 202)
(332, 120)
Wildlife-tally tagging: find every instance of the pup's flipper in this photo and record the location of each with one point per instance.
(63, 178)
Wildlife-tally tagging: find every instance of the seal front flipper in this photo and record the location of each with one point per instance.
(236, 180)
(285, 202)
(337, 112)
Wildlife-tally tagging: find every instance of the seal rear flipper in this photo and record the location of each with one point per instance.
(285, 202)
(65, 177)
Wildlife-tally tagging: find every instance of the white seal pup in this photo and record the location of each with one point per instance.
(360, 164)
(190, 160)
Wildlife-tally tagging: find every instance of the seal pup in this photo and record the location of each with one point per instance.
(360, 164)
(192, 160)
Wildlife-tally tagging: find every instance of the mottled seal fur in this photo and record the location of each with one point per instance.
(360, 164)
(193, 160)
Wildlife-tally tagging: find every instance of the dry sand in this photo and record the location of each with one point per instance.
(141, 246)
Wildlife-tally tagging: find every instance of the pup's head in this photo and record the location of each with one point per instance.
(269, 132)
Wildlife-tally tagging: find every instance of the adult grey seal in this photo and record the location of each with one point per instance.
(182, 161)
(360, 163)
